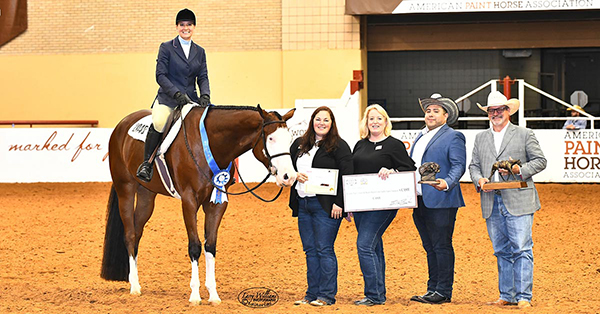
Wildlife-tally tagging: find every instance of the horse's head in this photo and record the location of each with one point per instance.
(273, 150)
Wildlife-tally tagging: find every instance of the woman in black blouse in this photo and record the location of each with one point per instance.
(319, 216)
(377, 152)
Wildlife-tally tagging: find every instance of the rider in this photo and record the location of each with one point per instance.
(180, 64)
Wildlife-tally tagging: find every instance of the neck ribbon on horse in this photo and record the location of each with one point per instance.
(220, 176)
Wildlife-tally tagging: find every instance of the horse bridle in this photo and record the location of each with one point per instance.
(264, 138)
(266, 151)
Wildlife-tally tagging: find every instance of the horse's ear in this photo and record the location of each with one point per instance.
(289, 114)
(261, 111)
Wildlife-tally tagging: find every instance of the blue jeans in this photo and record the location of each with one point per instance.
(512, 242)
(370, 227)
(436, 227)
(318, 233)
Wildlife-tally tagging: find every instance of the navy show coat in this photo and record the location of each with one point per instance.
(176, 73)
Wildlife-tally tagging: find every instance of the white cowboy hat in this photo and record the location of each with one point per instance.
(448, 104)
(496, 98)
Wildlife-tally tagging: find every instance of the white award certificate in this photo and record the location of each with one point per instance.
(368, 192)
(321, 181)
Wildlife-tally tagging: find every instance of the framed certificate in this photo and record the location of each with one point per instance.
(367, 192)
(321, 181)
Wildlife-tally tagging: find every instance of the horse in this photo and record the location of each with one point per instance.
(428, 171)
(506, 165)
(231, 131)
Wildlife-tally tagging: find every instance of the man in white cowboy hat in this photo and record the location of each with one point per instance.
(575, 124)
(438, 203)
(509, 212)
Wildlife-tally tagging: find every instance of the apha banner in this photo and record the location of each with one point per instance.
(361, 7)
(13, 19)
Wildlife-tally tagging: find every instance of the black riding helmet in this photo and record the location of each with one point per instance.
(185, 15)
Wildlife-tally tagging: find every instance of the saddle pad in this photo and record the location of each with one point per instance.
(140, 128)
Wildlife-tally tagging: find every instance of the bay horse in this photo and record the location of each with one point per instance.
(231, 130)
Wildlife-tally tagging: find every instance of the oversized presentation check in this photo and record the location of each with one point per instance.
(367, 192)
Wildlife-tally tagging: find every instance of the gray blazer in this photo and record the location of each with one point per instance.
(518, 143)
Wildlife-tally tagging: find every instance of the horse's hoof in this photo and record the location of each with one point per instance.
(135, 292)
(195, 302)
(214, 302)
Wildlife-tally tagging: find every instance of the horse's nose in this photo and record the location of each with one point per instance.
(285, 177)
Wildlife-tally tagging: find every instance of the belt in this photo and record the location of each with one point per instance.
(497, 192)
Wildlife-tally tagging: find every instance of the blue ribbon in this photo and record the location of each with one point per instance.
(220, 176)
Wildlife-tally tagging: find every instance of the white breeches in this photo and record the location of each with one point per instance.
(160, 114)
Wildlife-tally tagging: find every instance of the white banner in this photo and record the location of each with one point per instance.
(447, 6)
(54, 154)
(81, 155)
(573, 156)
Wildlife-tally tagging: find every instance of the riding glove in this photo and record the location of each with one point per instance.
(204, 100)
(181, 99)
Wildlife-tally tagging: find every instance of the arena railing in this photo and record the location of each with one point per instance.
(521, 113)
(31, 123)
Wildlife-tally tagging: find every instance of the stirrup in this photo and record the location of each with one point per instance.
(145, 171)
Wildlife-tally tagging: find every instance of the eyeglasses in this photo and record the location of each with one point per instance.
(500, 110)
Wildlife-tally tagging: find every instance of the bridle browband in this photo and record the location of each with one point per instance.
(266, 152)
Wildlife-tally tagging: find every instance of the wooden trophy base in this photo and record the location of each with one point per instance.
(429, 182)
(504, 185)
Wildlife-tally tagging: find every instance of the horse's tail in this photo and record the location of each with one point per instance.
(115, 262)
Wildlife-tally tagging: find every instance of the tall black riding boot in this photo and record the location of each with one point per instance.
(145, 170)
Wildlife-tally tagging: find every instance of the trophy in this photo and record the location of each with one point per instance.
(428, 171)
(507, 184)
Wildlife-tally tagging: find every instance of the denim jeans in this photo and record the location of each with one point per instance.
(436, 227)
(513, 244)
(371, 226)
(318, 233)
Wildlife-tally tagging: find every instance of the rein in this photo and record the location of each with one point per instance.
(248, 189)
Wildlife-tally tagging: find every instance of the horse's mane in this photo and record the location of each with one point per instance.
(229, 107)
(232, 107)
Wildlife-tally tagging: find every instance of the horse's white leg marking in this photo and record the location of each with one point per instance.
(195, 285)
(134, 281)
(211, 282)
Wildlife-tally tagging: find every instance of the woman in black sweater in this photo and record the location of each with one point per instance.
(377, 152)
(319, 216)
